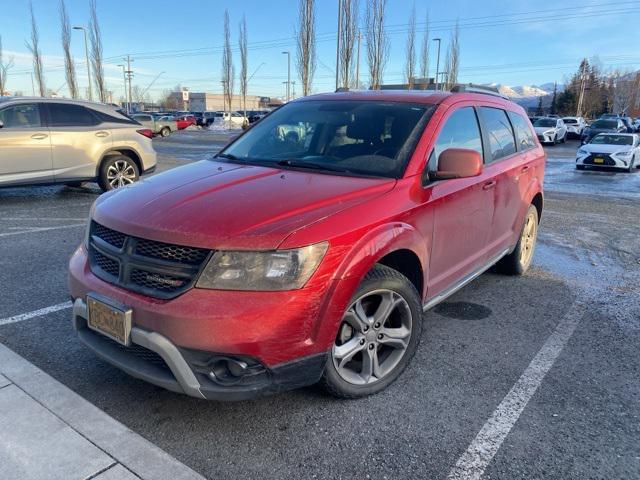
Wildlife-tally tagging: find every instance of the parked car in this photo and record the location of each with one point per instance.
(609, 116)
(164, 128)
(601, 125)
(615, 150)
(234, 119)
(46, 140)
(288, 259)
(628, 123)
(203, 117)
(575, 126)
(255, 115)
(550, 130)
(184, 121)
(636, 124)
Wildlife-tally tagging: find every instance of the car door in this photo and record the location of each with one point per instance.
(463, 207)
(25, 145)
(78, 141)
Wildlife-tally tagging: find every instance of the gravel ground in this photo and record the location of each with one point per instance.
(581, 423)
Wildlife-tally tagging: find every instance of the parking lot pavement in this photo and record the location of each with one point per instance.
(532, 377)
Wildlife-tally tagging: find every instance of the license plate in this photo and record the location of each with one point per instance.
(109, 319)
(598, 160)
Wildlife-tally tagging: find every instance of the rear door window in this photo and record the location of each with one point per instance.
(498, 129)
(67, 115)
(24, 115)
(524, 136)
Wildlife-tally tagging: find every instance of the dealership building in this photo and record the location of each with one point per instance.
(202, 101)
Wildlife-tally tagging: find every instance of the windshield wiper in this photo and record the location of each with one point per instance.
(311, 165)
(228, 156)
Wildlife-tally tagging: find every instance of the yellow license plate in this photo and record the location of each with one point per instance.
(598, 160)
(109, 319)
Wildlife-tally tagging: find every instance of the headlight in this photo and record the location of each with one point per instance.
(274, 270)
(549, 132)
(582, 151)
(628, 153)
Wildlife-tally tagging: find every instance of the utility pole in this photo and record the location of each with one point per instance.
(129, 73)
(33, 87)
(86, 54)
(582, 87)
(338, 44)
(358, 61)
(438, 61)
(124, 82)
(288, 54)
(293, 90)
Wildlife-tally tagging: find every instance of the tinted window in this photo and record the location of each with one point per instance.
(524, 135)
(605, 124)
(118, 116)
(603, 139)
(350, 137)
(460, 131)
(21, 116)
(545, 122)
(67, 115)
(569, 121)
(501, 140)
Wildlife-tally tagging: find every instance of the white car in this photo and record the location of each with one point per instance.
(234, 119)
(575, 126)
(616, 150)
(550, 130)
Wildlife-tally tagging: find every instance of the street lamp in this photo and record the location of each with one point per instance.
(86, 53)
(288, 54)
(124, 78)
(438, 61)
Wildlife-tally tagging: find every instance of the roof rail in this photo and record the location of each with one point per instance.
(473, 88)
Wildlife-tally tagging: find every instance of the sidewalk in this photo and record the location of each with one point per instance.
(49, 432)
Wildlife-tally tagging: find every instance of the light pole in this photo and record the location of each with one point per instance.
(86, 53)
(338, 44)
(124, 78)
(288, 54)
(437, 61)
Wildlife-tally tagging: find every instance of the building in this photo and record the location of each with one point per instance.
(203, 102)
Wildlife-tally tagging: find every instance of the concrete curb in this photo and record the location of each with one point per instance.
(126, 447)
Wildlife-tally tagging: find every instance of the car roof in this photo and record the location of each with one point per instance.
(103, 107)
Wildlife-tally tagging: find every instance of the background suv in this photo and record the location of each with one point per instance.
(308, 249)
(45, 141)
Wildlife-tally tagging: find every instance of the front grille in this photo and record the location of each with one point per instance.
(140, 353)
(608, 161)
(156, 269)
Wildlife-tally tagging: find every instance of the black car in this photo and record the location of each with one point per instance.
(628, 123)
(603, 125)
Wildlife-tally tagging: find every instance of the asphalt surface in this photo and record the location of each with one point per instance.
(582, 422)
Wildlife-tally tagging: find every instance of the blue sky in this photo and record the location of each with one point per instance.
(512, 42)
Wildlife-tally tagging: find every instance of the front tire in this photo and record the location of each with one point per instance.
(117, 171)
(165, 132)
(519, 261)
(378, 335)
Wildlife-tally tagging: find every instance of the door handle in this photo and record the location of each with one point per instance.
(102, 134)
(525, 168)
(489, 185)
(39, 136)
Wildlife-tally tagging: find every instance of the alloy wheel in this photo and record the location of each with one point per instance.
(120, 173)
(373, 337)
(528, 239)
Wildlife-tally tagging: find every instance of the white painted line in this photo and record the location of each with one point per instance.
(473, 462)
(36, 313)
(41, 229)
(53, 219)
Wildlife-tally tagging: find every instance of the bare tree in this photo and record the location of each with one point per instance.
(34, 48)
(5, 66)
(69, 67)
(424, 52)
(348, 39)
(623, 91)
(306, 48)
(377, 41)
(96, 52)
(228, 71)
(452, 62)
(410, 64)
(242, 45)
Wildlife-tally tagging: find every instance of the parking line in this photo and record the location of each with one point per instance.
(36, 313)
(41, 229)
(473, 462)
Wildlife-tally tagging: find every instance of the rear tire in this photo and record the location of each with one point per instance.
(555, 140)
(117, 171)
(377, 337)
(564, 138)
(519, 261)
(165, 132)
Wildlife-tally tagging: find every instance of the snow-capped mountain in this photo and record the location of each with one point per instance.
(528, 95)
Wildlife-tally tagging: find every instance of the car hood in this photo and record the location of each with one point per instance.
(543, 129)
(602, 148)
(222, 205)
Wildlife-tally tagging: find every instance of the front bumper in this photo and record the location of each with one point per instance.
(546, 138)
(608, 161)
(153, 358)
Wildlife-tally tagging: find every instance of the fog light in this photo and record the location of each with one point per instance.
(227, 371)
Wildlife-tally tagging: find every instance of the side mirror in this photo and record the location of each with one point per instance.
(458, 163)
(1, 124)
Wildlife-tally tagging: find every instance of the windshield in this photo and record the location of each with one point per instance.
(612, 140)
(353, 137)
(545, 122)
(605, 124)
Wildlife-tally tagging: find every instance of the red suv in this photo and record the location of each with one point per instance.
(307, 250)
